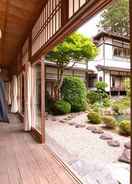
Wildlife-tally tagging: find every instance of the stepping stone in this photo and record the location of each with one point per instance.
(80, 126)
(62, 121)
(113, 143)
(70, 116)
(91, 128)
(71, 123)
(125, 157)
(97, 131)
(127, 145)
(106, 136)
(53, 119)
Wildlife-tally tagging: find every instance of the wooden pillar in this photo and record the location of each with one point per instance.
(43, 114)
(27, 97)
(14, 104)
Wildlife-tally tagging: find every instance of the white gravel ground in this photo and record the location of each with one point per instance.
(80, 144)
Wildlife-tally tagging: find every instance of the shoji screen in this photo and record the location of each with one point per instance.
(75, 5)
(47, 25)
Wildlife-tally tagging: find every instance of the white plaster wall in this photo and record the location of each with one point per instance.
(107, 80)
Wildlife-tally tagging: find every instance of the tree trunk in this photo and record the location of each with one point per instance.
(60, 77)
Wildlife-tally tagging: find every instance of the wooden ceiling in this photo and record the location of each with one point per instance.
(16, 19)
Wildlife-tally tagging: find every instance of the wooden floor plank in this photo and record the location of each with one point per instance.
(23, 161)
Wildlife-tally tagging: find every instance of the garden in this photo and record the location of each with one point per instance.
(89, 130)
(113, 114)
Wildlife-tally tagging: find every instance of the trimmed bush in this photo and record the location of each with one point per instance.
(109, 122)
(116, 108)
(125, 127)
(106, 102)
(92, 97)
(61, 107)
(74, 91)
(94, 117)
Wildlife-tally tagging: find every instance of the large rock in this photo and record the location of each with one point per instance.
(113, 143)
(106, 136)
(125, 157)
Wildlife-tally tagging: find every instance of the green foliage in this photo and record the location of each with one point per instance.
(106, 102)
(61, 107)
(109, 121)
(120, 105)
(125, 127)
(116, 17)
(100, 86)
(92, 97)
(127, 86)
(94, 117)
(74, 48)
(116, 108)
(99, 96)
(74, 91)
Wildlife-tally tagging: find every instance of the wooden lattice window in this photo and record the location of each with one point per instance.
(47, 24)
(75, 5)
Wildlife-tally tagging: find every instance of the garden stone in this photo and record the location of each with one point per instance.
(91, 128)
(98, 131)
(125, 157)
(106, 136)
(80, 126)
(71, 123)
(127, 145)
(113, 143)
(53, 119)
(62, 121)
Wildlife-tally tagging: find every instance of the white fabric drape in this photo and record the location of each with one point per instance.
(19, 93)
(28, 95)
(14, 104)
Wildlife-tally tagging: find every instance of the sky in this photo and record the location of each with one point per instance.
(90, 28)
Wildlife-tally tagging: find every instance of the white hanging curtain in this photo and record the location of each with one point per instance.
(19, 93)
(28, 93)
(14, 105)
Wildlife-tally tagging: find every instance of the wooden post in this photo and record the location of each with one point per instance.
(42, 101)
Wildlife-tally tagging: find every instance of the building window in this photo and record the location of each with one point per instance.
(121, 52)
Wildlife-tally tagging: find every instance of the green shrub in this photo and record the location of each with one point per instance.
(120, 105)
(116, 108)
(125, 127)
(94, 117)
(106, 102)
(109, 121)
(74, 91)
(92, 97)
(61, 107)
